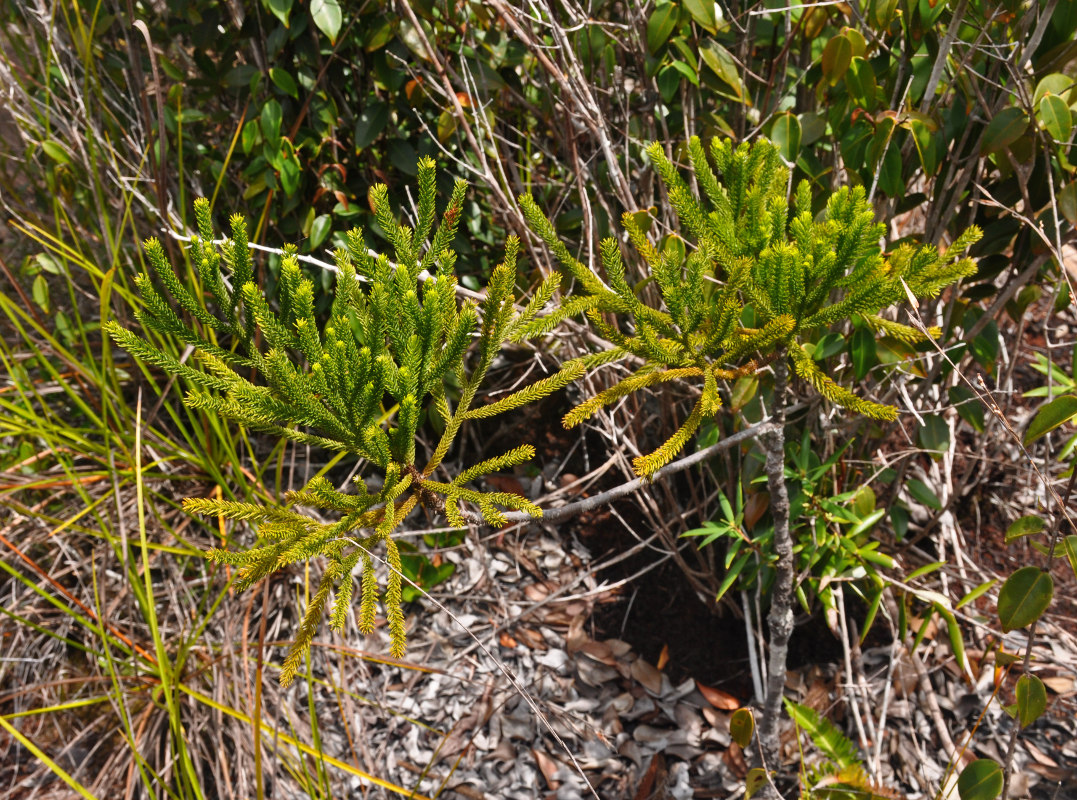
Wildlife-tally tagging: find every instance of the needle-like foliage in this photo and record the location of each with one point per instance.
(397, 341)
(744, 244)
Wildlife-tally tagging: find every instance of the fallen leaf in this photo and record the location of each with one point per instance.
(647, 676)
(506, 640)
(655, 776)
(548, 767)
(734, 759)
(718, 698)
(1059, 684)
(531, 638)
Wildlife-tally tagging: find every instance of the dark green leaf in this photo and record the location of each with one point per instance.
(1031, 699)
(661, 24)
(1007, 127)
(1024, 597)
(829, 345)
(722, 64)
(860, 79)
(1054, 115)
(1025, 526)
(289, 175)
(702, 12)
(935, 434)
(980, 780)
(862, 348)
(271, 117)
(786, 133)
(968, 407)
(837, 55)
(922, 494)
(319, 231)
(1056, 413)
(280, 9)
(1069, 545)
(1067, 202)
(371, 122)
(924, 138)
(283, 81)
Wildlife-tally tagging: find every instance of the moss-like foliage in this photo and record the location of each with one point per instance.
(743, 244)
(397, 341)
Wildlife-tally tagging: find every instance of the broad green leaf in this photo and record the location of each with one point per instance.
(372, 121)
(864, 501)
(837, 55)
(743, 391)
(271, 117)
(39, 290)
(829, 345)
(702, 12)
(1031, 699)
(935, 434)
(1007, 127)
(861, 82)
(968, 407)
(980, 780)
(283, 81)
(281, 9)
(922, 494)
(924, 139)
(1056, 413)
(289, 175)
(722, 64)
(327, 17)
(661, 24)
(742, 727)
(1056, 83)
(251, 131)
(785, 132)
(1067, 202)
(1025, 526)
(755, 780)
(1069, 545)
(56, 152)
(319, 231)
(1024, 597)
(379, 34)
(1054, 115)
(977, 592)
(686, 70)
(862, 349)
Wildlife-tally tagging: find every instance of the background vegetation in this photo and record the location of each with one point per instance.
(118, 116)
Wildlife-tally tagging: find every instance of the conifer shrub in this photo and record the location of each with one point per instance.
(397, 344)
(745, 247)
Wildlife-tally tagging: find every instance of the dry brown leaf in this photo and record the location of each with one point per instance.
(547, 766)
(717, 698)
(1060, 684)
(531, 638)
(647, 676)
(599, 651)
(734, 759)
(506, 640)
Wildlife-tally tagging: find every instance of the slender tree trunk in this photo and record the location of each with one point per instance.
(780, 618)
